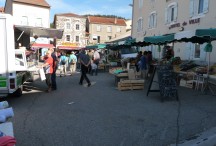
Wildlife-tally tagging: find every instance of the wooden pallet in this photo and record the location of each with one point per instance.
(131, 85)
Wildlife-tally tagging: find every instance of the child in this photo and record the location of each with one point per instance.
(93, 68)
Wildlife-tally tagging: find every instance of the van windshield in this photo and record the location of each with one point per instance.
(128, 50)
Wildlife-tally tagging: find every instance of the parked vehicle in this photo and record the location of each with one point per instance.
(128, 52)
(14, 70)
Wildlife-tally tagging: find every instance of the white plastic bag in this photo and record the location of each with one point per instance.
(42, 74)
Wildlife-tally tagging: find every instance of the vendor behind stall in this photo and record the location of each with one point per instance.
(169, 53)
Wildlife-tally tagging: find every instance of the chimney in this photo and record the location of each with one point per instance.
(115, 21)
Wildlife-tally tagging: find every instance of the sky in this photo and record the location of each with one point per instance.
(81, 7)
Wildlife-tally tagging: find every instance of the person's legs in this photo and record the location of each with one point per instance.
(61, 70)
(89, 69)
(74, 68)
(96, 70)
(71, 69)
(84, 71)
(64, 69)
(48, 82)
(81, 77)
(53, 80)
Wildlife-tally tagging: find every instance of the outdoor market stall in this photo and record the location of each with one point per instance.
(197, 36)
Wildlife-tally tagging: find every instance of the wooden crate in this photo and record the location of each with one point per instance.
(131, 85)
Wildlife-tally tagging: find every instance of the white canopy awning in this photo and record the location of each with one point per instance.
(185, 34)
(41, 32)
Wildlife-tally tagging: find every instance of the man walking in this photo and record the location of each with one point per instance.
(72, 62)
(85, 62)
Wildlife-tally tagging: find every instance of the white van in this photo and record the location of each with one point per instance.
(128, 52)
(13, 65)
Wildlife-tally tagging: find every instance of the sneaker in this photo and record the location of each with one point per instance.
(89, 84)
(80, 83)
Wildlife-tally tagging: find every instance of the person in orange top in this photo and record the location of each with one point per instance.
(48, 69)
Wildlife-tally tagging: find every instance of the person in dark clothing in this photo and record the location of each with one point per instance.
(139, 55)
(85, 62)
(55, 63)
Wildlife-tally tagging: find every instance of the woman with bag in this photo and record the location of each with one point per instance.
(48, 69)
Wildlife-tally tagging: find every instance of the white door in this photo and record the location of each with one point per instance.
(3, 52)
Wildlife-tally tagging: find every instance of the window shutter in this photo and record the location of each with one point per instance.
(202, 52)
(191, 8)
(166, 15)
(175, 12)
(155, 20)
(205, 6)
(188, 51)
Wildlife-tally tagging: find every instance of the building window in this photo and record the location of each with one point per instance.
(171, 12)
(67, 38)
(140, 25)
(198, 7)
(98, 28)
(94, 37)
(98, 39)
(152, 20)
(140, 4)
(109, 29)
(68, 26)
(77, 38)
(38, 22)
(109, 37)
(118, 29)
(24, 20)
(77, 27)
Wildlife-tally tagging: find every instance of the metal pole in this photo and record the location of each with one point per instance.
(20, 35)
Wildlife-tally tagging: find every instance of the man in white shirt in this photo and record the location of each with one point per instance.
(96, 59)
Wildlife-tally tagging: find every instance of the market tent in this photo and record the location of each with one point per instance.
(129, 41)
(209, 33)
(161, 39)
(40, 31)
(199, 36)
(69, 48)
(196, 36)
(98, 46)
(36, 45)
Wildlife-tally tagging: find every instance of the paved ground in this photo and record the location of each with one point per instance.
(101, 115)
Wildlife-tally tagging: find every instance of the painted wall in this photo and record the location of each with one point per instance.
(61, 22)
(32, 13)
(184, 21)
(103, 32)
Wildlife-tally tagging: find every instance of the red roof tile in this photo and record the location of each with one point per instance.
(105, 20)
(42, 3)
(69, 15)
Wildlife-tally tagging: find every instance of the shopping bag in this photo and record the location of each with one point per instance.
(42, 74)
